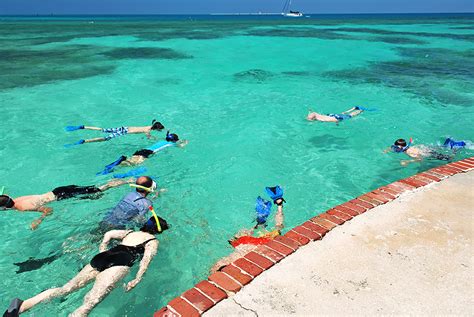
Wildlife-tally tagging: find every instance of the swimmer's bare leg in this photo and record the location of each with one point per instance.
(115, 183)
(279, 218)
(239, 252)
(95, 140)
(92, 128)
(80, 280)
(105, 282)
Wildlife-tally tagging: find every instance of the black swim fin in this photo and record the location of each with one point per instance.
(14, 308)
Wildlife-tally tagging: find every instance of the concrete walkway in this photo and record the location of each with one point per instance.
(413, 255)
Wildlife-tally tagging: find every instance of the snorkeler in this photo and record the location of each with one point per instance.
(355, 111)
(38, 202)
(245, 240)
(132, 208)
(140, 156)
(420, 152)
(107, 268)
(116, 132)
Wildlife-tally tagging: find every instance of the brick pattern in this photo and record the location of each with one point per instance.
(233, 277)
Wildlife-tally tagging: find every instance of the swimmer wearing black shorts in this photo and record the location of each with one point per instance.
(38, 202)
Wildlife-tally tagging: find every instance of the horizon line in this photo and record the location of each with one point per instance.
(218, 13)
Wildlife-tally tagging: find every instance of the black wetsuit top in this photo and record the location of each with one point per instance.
(120, 255)
(144, 152)
(70, 191)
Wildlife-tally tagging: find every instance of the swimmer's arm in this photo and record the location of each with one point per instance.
(150, 251)
(387, 150)
(351, 109)
(46, 211)
(112, 234)
(406, 162)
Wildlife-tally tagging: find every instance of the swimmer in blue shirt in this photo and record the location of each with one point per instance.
(140, 156)
(133, 207)
(336, 118)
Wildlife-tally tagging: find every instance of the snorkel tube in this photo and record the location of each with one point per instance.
(2, 190)
(158, 226)
(399, 149)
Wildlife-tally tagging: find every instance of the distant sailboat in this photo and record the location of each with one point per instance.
(288, 13)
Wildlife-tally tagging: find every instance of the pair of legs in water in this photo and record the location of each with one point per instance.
(314, 116)
(105, 282)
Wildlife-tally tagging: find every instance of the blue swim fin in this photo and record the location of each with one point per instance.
(364, 109)
(453, 144)
(135, 172)
(109, 168)
(70, 128)
(74, 144)
(263, 209)
(275, 193)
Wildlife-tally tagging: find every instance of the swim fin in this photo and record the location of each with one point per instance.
(14, 308)
(109, 168)
(70, 128)
(453, 144)
(275, 193)
(135, 172)
(74, 144)
(263, 209)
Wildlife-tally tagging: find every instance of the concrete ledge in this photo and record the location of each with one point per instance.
(235, 276)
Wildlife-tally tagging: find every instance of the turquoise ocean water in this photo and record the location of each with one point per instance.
(238, 88)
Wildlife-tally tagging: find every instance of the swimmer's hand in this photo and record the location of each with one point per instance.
(131, 284)
(46, 211)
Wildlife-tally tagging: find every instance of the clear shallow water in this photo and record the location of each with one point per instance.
(238, 89)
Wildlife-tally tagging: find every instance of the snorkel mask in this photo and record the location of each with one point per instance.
(401, 149)
(171, 137)
(9, 203)
(148, 189)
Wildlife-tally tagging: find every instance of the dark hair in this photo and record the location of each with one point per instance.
(400, 142)
(156, 125)
(144, 181)
(171, 137)
(6, 201)
(151, 227)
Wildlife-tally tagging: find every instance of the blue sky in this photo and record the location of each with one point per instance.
(228, 6)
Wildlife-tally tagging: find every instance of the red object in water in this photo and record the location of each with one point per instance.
(249, 240)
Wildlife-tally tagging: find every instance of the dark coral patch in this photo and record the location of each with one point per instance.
(300, 32)
(144, 53)
(24, 68)
(397, 40)
(420, 71)
(254, 75)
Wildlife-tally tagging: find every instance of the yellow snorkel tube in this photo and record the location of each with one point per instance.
(156, 218)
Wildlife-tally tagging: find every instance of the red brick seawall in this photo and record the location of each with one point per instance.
(233, 277)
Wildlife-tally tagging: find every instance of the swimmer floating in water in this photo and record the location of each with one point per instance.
(355, 111)
(420, 152)
(107, 268)
(115, 132)
(38, 202)
(141, 155)
(245, 241)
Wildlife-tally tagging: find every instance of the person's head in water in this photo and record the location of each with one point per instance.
(155, 125)
(145, 185)
(171, 137)
(153, 228)
(400, 145)
(6, 202)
